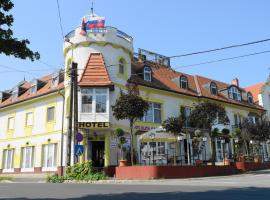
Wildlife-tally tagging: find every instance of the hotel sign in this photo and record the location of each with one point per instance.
(94, 125)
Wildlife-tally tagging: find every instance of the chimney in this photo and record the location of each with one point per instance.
(235, 82)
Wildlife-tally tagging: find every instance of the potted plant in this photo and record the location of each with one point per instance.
(121, 142)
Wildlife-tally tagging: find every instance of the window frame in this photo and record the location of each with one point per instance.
(47, 114)
(147, 72)
(213, 85)
(10, 167)
(27, 117)
(90, 94)
(24, 166)
(234, 93)
(152, 109)
(249, 98)
(8, 125)
(121, 64)
(46, 156)
(183, 79)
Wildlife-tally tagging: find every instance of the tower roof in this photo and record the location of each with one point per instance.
(95, 72)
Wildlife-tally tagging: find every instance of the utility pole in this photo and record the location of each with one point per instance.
(75, 89)
(70, 117)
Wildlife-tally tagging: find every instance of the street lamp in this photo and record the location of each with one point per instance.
(179, 139)
(152, 136)
(204, 141)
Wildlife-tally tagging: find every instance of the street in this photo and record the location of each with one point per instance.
(255, 185)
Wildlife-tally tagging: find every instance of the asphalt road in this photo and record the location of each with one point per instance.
(253, 186)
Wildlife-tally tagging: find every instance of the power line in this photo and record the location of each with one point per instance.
(222, 48)
(223, 59)
(60, 19)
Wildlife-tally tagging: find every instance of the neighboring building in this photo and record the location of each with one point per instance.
(261, 95)
(34, 115)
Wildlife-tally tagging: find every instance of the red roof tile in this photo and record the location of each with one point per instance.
(255, 90)
(95, 72)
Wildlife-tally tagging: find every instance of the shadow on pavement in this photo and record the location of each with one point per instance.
(232, 194)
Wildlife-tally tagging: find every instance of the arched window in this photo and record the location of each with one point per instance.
(147, 73)
(213, 88)
(121, 68)
(234, 93)
(183, 82)
(249, 97)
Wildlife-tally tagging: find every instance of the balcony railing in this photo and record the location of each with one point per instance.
(125, 36)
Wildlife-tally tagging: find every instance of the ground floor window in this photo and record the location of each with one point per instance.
(27, 157)
(49, 152)
(8, 159)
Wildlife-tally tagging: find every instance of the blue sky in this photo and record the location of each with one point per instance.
(169, 27)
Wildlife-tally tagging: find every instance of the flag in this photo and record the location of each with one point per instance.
(83, 29)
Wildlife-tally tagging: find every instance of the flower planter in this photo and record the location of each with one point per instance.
(257, 160)
(227, 162)
(199, 162)
(123, 163)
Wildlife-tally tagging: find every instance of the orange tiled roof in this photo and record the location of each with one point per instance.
(26, 95)
(162, 78)
(95, 72)
(255, 90)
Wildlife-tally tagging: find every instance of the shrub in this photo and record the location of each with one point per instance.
(80, 171)
(55, 179)
(6, 178)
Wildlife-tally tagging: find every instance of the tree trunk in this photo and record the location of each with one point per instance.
(213, 147)
(131, 143)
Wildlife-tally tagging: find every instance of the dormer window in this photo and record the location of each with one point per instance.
(234, 93)
(249, 98)
(183, 82)
(147, 73)
(213, 88)
(15, 93)
(33, 88)
(57, 78)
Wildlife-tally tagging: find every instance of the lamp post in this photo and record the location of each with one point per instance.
(204, 141)
(236, 140)
(223, 151)
(251, 143)
(152, 136)
(179, 139)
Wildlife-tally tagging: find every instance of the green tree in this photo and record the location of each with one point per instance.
(206, 115)
(174, 125)
(120, 134)
(132, 107)
(10, 45)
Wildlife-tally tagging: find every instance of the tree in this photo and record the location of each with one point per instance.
(206, 115)
(120, 134)
(173, 125)
(132, 107)
(258, 132)
(8, 44)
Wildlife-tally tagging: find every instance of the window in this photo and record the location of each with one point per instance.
(87, 100)
(213, 88)
(33, 89)
(249, 97)
(147, 74)
(29, 119)
(121, 66)
(237, 120)
(160, 148)
(8, 158)
(101, 100)
(10, 123)
(27, 157)
(49, 152)
(153, 114)
(50, 113)
(185, 111)
(234, 94)
(183, 82)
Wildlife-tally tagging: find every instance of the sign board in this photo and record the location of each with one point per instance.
(144, 128)
(79, 149)
(94, 125)
(79, 137)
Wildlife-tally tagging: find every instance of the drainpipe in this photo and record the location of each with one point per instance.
(62, 135)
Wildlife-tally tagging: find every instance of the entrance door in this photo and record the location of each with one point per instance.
(98, 153)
